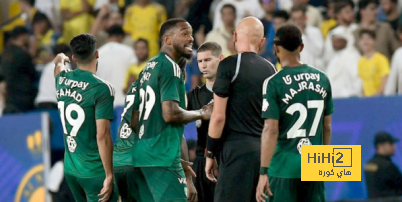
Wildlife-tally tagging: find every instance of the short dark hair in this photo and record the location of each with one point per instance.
(30, 2)
(214, 47)
(289, 37)
(18, 31)
(341, 4)
(40, 17)
(364, 3)
(61, 48)
(83, 47)
(370, 33)
(301, 8)
(115, 30)
(281, 14)
(142, 40)
(229, 6)
(168, 25)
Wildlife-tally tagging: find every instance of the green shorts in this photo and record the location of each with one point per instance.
(295, 190)
(159, 184)
(87, 189)
(121, 175)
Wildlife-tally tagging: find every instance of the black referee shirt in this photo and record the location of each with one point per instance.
(198, 98)
(240, 77)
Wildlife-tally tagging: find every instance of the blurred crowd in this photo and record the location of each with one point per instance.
(357, 43)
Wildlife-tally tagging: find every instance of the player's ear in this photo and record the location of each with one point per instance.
(167, 39)
(235, 36)
(97, 54)
(262, 42)
(276, 49)
(74, 59)
(301, 48)
(221, 57)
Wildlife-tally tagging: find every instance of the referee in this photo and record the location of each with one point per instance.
(237, 115)
(209, 55)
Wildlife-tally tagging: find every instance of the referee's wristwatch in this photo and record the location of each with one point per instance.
(263, 170)
(209, 154)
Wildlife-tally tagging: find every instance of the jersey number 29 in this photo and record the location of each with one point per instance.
(295, 130)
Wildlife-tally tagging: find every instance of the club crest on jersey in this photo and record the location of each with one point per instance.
(303, 141)
(71, 143)
(265, 105)
(125, 131)
(141, 133)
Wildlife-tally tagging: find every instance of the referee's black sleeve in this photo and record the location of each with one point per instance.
(224, 76)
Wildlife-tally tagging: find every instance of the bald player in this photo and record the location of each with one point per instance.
(236, 124)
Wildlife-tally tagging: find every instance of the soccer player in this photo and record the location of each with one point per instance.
(209, 54)
(237, 99)
(297, 108)
(122, 151)
(158, 171)
(85, 104)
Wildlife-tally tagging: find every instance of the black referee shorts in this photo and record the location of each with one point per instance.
(239, 170)
(205, 188)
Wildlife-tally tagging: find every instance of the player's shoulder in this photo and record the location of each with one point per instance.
(168, 67)
(133, 88)
(229, 62)
(103, 85)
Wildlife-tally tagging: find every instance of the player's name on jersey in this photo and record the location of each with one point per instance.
(304, 82)
(145, 77)
(69, 93)
(331, 163)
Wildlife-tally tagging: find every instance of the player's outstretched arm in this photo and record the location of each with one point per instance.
(218, 117)
(191, 191)
(327, 130)
(60, 63)
(173, 113)
(105, 146)
(269, 138)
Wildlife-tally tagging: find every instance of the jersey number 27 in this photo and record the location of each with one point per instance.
(295, 130)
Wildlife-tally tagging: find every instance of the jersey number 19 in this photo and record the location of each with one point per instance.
(75, 123)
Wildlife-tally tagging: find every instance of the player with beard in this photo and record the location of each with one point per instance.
(209, 55)
(158, 172)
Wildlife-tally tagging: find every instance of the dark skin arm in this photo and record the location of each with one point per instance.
(327, 130)
(135, 121)
(191, 192)
(173, 113)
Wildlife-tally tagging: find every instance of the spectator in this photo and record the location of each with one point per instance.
(314, 17)
(43, 39)
(115, 5)
(386, 39)
(330, 22)
(311, 36)
(27, 6)
(223, 35)
(198, 17)
(345, 18)
(114, 60)
(77, 18)
(394, 82)
(244, 8)
(19, 73)
(267, 51)
(143, 20)
(46, 98)
(280, 18)
(106, 18)
(141, 49)
(390, 9)
(193, 73)
(342, 69)
(373, 66)
(2, 94)
(383, 178)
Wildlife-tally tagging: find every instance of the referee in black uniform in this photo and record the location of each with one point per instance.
(236, 116)
(209, 54)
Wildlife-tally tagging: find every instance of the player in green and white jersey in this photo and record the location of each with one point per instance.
(162, 115)
(297, 107)
(85, 104)
(122, 151)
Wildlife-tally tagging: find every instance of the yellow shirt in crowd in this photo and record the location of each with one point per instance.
(78, 24)
(145, 23)
(327, 25)
(134, 70)
(371, 71)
